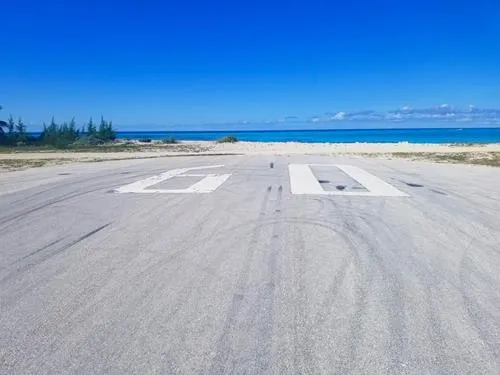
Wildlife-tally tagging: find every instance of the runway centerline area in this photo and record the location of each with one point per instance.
(250, 264)
(302, 181)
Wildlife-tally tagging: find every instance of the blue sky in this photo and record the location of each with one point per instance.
(156, 63)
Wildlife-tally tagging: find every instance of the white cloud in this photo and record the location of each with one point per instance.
(339, 116)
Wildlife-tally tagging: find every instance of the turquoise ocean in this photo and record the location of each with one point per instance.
(413, 135)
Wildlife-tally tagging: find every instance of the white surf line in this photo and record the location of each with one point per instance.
(142, 185)
(303, 181)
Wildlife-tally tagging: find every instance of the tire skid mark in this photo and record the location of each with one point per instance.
(356, 322)
(80, 312)
(64, 197)
(264, 318)
(53, 253)
(486, 325)
(447, 209)
(12, 219)
(302, 348)
(394, 288)
(332, 292)
(200, 223)
(399, 322)
(430, 215)
(149, 295)
(363, 255)
(363, 277)
(50, 244)
(224, 358)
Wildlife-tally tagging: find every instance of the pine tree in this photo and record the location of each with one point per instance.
(91, 129)
(3, 125)
(111, 132)
(21, 130)
(102, 129)
(72, 129)
(11, 125)
(106, 132)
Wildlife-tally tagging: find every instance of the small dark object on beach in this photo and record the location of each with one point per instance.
(228, 139)
(145, 140)
(170, 140)
(271, 165)
(340, 187)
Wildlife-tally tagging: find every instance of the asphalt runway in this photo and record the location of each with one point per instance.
(226, 271)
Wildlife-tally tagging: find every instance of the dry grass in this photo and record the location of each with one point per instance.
(19, 164)
(111, 147)
(476, 158)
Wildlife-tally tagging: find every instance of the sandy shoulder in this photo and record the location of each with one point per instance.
(289, 148)
(258, 148)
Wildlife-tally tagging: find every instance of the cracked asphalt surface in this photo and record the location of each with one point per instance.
(249, 279)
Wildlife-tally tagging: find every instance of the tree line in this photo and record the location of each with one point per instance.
(67, 134)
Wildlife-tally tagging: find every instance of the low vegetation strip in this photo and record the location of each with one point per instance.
(18, 164)
(117, 146)
(67, 135)
(476, 158)
(228, 139)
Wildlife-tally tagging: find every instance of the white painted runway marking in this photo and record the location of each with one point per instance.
(208, 184)
(303, 181)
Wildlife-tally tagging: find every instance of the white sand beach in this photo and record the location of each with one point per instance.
(23, 160)
(296, 148)
(260, 148)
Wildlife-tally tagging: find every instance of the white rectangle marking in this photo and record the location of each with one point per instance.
(208, 184)
(374, 184)
(303, 181)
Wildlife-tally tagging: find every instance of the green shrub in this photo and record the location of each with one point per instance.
(88, 140)
(228, 139)
(65, 135)
(145, 140)
(169, 140)
(61, 143)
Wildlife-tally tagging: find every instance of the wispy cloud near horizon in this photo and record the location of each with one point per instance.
(441, 112)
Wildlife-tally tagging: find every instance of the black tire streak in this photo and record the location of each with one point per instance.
(486, 325)
(66, 196)
(12, 219)
(363, 279)
(45, 257)
(40, 249)
(265, 309)
(224, 357)
(438, 192)
(302, 352)
(185, 293)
